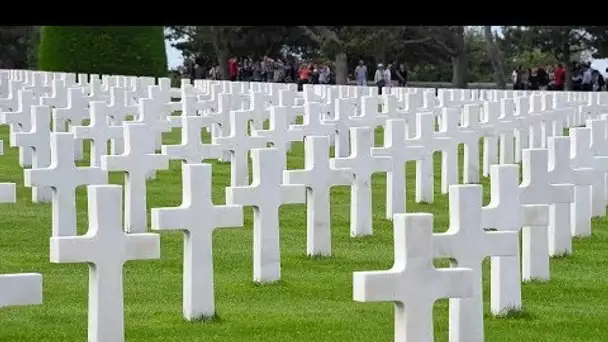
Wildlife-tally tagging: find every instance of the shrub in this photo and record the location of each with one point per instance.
(111, 50)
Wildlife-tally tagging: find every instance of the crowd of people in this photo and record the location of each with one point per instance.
(584, 78)
(291, 70)
(266, 69)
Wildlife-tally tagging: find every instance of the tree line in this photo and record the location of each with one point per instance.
(460, 54)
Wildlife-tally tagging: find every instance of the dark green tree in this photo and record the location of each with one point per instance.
(116, 50)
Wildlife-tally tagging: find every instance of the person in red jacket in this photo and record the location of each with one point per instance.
(233, 68)
(560, 77)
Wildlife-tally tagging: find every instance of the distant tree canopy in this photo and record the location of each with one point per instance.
(120, 50)
(460, 54)
(433, 53)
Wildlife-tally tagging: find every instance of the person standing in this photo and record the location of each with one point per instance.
(402, 75)
(361, 74)
(233, 69)
(559, 77)
(379, 78)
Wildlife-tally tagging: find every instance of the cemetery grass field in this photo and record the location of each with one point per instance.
(312, 302)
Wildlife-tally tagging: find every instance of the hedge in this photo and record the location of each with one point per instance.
(110, 50)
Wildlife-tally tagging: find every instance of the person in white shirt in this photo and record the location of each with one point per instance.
(380, 78)
(387, 76)
(361, 74)
(587, 82)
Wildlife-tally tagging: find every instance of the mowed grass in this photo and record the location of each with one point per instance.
(312, 302)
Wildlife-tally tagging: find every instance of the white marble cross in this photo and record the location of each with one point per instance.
(468, 244)
(536, 189)
(137, 161)
(118, 111)
(506, 213)
(192, 149)
(239, 143)
(312, 122)
(318, 176)
(99, 131)
(266, 194)
(38, 139)
(279, 133)
(20, 120)
(198, 218)
(72, 115)
(431, 142)
(363, 164)
(582, 157)
(598, 147)
(151, 114)
(400, 152)
(106, 248)
(561, 172)
(23, 288)
(63, 176)
(458, 135)
(413, 283)
(58, 97)
(507, 124)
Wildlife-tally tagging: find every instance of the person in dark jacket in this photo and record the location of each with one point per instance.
(401, 73)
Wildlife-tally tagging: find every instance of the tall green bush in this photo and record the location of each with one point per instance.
(111, 50)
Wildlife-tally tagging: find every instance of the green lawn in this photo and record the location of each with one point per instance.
(312, 302)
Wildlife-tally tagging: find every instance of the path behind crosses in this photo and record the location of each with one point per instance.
(266, 194)
(137, 161)
(198, 217)
(105, 247)
(64, 177)
(413, 283)
(318, 176)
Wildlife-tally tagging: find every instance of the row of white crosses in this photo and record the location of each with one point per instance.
(267, 264)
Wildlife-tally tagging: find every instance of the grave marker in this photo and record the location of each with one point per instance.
(561, 172)
(138, 160)
(468, 244)
(536, 189)
(198, 218)
(400, 152)
(505, 212)
(192, 149)
(63, 176)
(239, 143)
(38, 138)
(266, 194)
(318, 176)
(99, 131)
(413, 283)
(106, 248)
(363, 164)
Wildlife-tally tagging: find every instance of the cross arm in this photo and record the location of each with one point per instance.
(293, 193)
(144, 246)
(377, 286)
(169, 218)
(20, 289)
(73, 249)
(228, 216)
